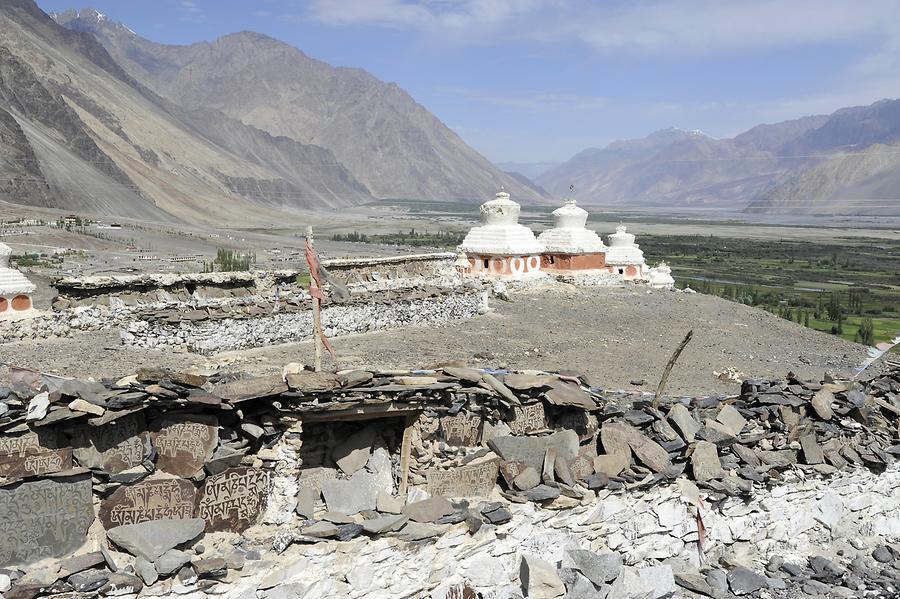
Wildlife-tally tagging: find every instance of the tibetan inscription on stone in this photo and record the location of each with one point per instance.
(185, 445)
(528, 419)
(233, 500)
(314, 478)
(149, 500)
(33, 453)
(474, 480)
(461, 430)
(113, 447)
(44, 518)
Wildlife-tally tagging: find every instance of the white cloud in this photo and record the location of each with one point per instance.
(190, 11)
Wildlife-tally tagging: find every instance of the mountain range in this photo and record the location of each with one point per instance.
(96, 119)
(844, 163)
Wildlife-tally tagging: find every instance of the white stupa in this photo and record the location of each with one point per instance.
(624, 255)
(15, 289)
(500, 234)
(569, 235)
(660, 276)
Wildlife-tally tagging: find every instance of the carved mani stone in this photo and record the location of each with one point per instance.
(155, 499)
(119, 445)
(473, 480)
(462, 430)
(44, 518)
(528, 419)
(33, 453)
(233, 500)
(184, 444)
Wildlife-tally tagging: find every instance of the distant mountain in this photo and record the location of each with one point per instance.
(839, 163)
(390, 144)
(532, 170)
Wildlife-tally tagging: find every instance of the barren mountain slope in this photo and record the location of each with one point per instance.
(105, 145)
(388, 141)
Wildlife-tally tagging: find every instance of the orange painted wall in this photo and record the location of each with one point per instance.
(21, 303)
(567, 262)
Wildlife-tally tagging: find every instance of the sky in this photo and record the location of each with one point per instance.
(541, 80)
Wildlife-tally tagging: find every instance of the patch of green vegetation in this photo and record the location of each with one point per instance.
(439, 239)
(229, 261)
(36, 260)
(849, 289)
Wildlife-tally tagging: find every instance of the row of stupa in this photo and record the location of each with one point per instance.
(503, 248)
(15, 289)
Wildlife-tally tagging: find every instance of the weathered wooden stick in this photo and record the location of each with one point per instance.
(669, 366)
(317, 315)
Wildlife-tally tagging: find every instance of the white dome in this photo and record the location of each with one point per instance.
(661, 276)
(623, 249)
(12, 282)
(569, 235)
(501, 234)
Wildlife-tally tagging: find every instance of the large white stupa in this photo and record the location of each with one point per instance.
(500, 234)
(624, 254)
(501, 246)
(15, 289)
(569, 234)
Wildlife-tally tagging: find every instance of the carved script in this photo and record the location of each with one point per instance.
(527, 419)
(113, 447)
(185, 444)
(461, 430)
(44, 518)
(474, 480)
(32, 454)
(149, 500)
(234, 499)
(314, 478)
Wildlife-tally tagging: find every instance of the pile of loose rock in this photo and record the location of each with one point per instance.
(530, 482)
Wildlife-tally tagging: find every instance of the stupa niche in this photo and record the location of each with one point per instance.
(569, 245)
(15, 289)
(624, 256)
(501, 247)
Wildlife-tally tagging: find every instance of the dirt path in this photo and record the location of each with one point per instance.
(614, 335)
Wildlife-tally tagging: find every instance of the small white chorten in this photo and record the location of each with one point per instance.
(501, 246)
(570, 246)
(660, 276)
(15, 289)
(624, 255)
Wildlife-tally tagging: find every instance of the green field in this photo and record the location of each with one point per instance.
(834, 287)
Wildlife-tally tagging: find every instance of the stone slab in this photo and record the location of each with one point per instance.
(314, 478)
(473, 480)
(527, 419)
(234, 500)
(185, 443)
(151, 539)
(531, 450)
(157, 499)
(44, 518)
(562, 393)
(120, 444)
(33, 453)
(353, 495)
(352, 453)
(463, 430)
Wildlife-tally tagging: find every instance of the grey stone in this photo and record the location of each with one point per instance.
(145, 571)
(527, 479)
(353, 495)
(716, 432)
(152, 539)
(812, 452)
(37, 407)
(417, 531)
(496, 513)
(121, 583)
(694, 581)
(321, 530)
(616, 435)
(88, 581)
(718, 582)
(547, 468)
(743, 581)
(731, 418)
(630, 586)
(384, 523)
(821, 403)
(599, 568)
(429, 510)
(541, 493)
(705, 462)
(681, 418)
(539, 579)
(171, 561)
(660, 579)
(210, 567)
(306, 502)
(349, 531)
(354, 452)
(388, 504)
(612, 464)
(81, 562)
(883, 554)
(531, 450)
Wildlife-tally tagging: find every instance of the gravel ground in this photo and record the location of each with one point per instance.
(613, 335)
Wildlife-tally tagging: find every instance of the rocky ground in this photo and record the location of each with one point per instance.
(618, 337)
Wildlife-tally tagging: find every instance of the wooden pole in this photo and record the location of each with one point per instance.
(665, 375)
(317, 313)
(405, 451)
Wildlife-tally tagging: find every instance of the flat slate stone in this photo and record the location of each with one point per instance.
(120, 444)
(527, 419)
(463, 430)
(562, 393)
(354, 452)
(730, 417)
(541, 493)
(34, 453)
(251, 388)
(235, 499)
(472, 480)
(157, 499)
(428, 510)
(185, 443)
(500, 388)
(527, 479)
(463, 374)
(612, 464)
(743, 581)
(315, 478)
(531, 450)
(44, 518)
(171, 561)
(150, 540)
(683, 421)
(716, 432)
(353, 495)
(539, 579)
(705, 462)
(384, 524)
(812, 452)
(599, 568)
(526, 382)
(615, 435)
(821, 403)
(310, 382)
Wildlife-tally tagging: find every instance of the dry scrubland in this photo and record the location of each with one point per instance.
(614, 335)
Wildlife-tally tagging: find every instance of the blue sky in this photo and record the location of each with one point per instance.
(540, 80)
